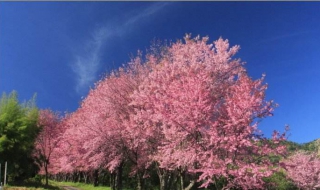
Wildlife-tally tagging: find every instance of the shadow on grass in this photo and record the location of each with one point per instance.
(30, 184)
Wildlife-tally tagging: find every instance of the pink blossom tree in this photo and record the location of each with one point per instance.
(47, 139)
(101, 132)
(206, 107)
(304, 170)
(190, 109)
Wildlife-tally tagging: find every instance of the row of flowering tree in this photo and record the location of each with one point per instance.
(188, 112)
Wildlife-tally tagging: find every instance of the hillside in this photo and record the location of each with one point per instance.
(313, 146)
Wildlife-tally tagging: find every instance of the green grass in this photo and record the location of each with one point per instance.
(30, 187)
(53, 185)
(81, 186)
(30, 184)
(21, 188)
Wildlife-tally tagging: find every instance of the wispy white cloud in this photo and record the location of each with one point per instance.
(147, 12)
(285, 36)
(86, 65)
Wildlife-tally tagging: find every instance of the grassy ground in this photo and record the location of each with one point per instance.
(23, 188)
(80, 186)
(30, 185)
(53, 185)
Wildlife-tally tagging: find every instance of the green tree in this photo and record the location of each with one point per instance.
(18, 130)
(279, 181)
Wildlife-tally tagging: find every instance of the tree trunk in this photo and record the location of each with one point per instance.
(170, 179)
(95, 178)
(85, 176)
(162, 183)
(139, 187)
(46, 171)
(79, 177)
(119, 177)
(74, 177)
(181, 181)
(163, 177)
(112, 181)
(192, 182)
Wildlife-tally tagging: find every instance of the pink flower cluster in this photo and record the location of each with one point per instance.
(304, 170)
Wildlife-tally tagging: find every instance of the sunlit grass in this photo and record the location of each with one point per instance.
(22, 188)
(81, 186)
(53, 185)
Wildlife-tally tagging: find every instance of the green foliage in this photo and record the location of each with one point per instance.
(37, 179)
(312, 146)
(292, 146)
(18, 130)
(278, 181)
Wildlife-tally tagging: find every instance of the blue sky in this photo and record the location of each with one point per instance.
(59, 49)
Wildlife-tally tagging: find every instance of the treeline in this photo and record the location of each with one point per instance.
(185, 116)
(186, 113)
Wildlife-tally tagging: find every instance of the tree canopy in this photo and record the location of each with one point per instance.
(18, 130)
(188, 110)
